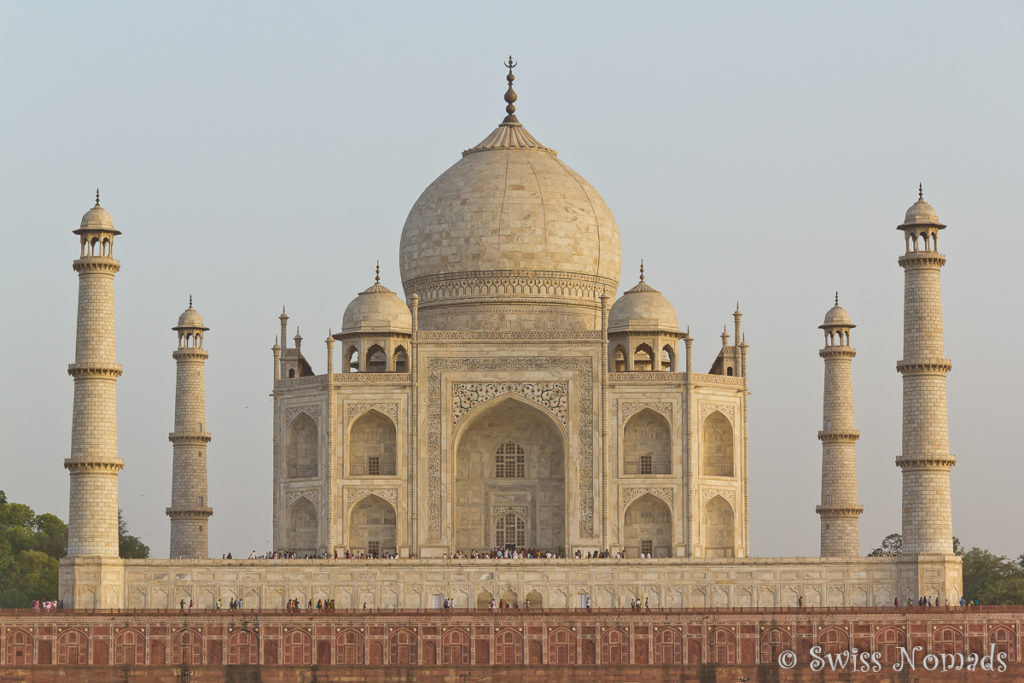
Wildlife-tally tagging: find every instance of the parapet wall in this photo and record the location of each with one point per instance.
(424, 583)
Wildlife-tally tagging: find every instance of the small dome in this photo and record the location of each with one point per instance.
(190, 318)
(377, 309)
(97, 218)
(837, 315)
(642, 308)
(921, 212)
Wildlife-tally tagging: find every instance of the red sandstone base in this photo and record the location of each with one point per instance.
(870, 644)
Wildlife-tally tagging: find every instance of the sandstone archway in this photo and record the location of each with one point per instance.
(647, 527)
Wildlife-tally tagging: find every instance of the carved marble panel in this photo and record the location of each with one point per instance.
(353, 496)
(554, 396)
(313, 410)
(630, 408)
(634, 492)
(354, 410)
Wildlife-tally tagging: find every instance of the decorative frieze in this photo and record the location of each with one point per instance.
(727, 410)
(630, 408)
(554, 396)
(312, 495)
(354, 410)
(353, 496)
(313, 410)
(630, 494)
(707, 494)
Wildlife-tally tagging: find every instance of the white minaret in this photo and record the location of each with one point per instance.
(839, 510)
(94, 465)
(190, 510)
(925, 459)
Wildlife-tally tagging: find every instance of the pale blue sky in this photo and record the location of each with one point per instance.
(260, 154)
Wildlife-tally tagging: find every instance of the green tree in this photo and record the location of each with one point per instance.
(30, 549)
(129, 547)
(992, 579)
(892, 546)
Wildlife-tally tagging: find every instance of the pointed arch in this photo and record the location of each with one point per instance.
(296, 648)
(717, 446)
(350, 647)
(561, 646)
(668, 647)
(888, 641)
(129, 647)
(400, 359)
(773, 642)
(186, 647)
(19, 647)
(243, 647)
(376, 359)
(373, 445)
(402, 650)
(646, 444)
(302, 447)
(351, 359)
(833, 640)
(1005, 640)
(72, 647)
(647, 527)
(455, 648)
(302, 528)
(721, 647)
(719, 528)
(668, 358)
(508, 648)
(373, 527)
(619, 359)
(643, 358)
(614, 647)
(483, 600)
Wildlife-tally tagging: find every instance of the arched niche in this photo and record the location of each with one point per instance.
(372, 446)
(302, 448)
(647, 527)
(717, 446)
(488, 485)
(646, 444)
(719, 528)
(643, 358)
(373, 527)
(301, 529)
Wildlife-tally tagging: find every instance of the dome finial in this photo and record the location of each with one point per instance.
(510, 94)
(97, 196)
(641, 270)
(190, 301)
(920, 192)
(837, 297)
(377, 278)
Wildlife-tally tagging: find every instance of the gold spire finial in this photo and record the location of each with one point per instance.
(641, 270)
(510, 94)
(190, 301)
(377, 279)
(920, 192)
(97, 196)
(837, 297)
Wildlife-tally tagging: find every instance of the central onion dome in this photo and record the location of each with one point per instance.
(510, 237)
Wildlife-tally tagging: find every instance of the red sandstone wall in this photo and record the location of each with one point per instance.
(554, 645)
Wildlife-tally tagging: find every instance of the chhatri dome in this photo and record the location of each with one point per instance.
(837, 315)
(921, 212)
(510, 237)
(642, 308)
(190, 318)
(97, 219)
(377, 309)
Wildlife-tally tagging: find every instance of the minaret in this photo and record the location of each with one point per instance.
(94, 465)
(925, 459)
(189, 511)
(839, 510)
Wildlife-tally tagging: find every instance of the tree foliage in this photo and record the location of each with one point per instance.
(31, 546)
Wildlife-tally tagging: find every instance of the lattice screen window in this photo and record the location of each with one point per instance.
(510, 461)
(647, 547)
(646, 464)
(373, 548)
(511, 530)
(373, 466)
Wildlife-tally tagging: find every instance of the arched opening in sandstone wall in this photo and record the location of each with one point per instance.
(301, 448)
(717, 448)
(373, 527)
(643, 358)
(401, 360)
(372, 445)
(646, 444)
(647, 528)
(301, 529)
(719, 528)
(510, 465)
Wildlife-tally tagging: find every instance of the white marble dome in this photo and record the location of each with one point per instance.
(510, 237)
(921, 212)
(642, 308)
(191, 318)
(377, 309)
(837, 315)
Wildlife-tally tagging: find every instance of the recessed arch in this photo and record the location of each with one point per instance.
(129, 647)
(668, 358)
(647, 527)
(302, 448)
(719, 528)
(718, 456)
(482, 498)
(243, 647)
(72, 647)
(643, 358)
(400, 359)
(372, 445)
(373, 527)
(376, 359)
(619, 359)
(646, 444)
(302, 528)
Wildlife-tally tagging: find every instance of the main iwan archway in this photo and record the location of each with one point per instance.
(509, 479)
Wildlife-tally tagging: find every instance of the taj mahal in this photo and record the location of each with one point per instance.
(510, 398)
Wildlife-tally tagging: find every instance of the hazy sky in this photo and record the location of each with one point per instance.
(259, 154)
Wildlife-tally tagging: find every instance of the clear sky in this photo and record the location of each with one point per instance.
(265, 153)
